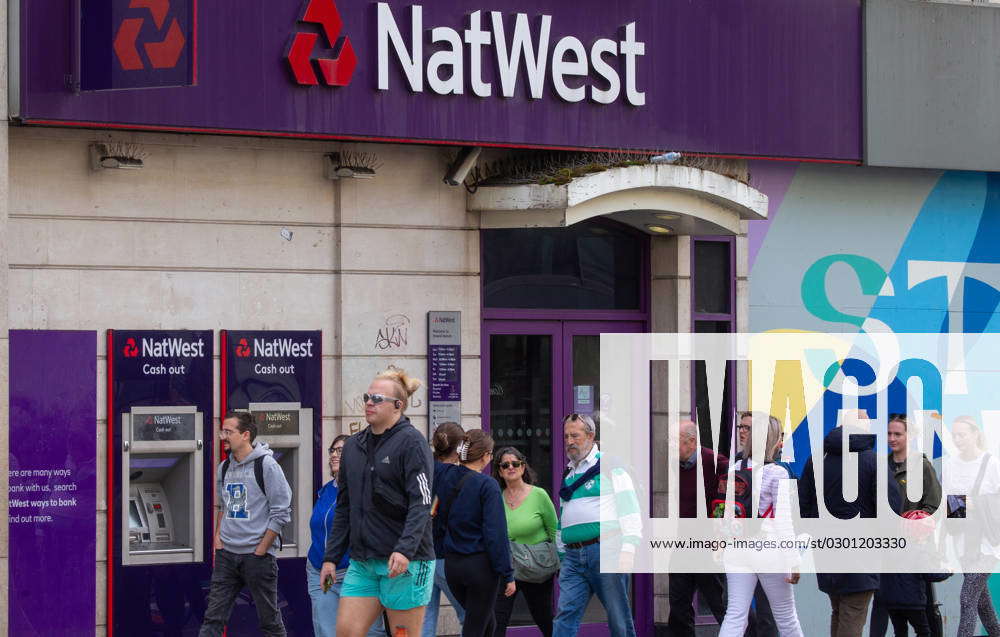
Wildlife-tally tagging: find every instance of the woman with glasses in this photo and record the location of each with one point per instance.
(477, 561)
(324, 605)
(531, 520)
(774, 505)
(970, 470)
(384, 515)
(445, 442)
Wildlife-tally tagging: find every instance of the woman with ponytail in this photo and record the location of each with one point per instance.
(469, 509)
(383, 515)
(445, 441)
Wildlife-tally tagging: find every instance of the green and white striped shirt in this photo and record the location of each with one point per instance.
(581, 515)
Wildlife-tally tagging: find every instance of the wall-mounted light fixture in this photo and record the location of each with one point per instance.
(655, 229)
(464, 162)
(351, 165)
(116, 155)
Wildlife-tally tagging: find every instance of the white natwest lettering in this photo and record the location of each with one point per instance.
(282, 347)
(172, 348)
(445, 70)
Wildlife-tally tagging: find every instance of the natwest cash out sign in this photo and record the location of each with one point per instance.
(162, 353)
(279, 350)
(672, 75)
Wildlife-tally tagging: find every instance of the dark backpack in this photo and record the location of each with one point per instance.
(742, 493)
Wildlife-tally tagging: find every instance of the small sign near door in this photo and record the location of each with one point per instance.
(583, 399)
(444, 367)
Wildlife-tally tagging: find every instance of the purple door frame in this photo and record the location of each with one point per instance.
(562, 326)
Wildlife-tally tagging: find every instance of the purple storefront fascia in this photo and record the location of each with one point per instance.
(53, 426)
(768, 78)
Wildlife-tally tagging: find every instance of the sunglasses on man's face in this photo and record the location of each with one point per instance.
(511, 463)
(378, 399)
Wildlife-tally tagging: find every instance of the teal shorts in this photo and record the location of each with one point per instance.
(370, 578)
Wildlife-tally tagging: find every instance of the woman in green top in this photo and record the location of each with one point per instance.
(531, 519)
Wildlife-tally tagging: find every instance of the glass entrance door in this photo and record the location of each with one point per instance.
(536, 373)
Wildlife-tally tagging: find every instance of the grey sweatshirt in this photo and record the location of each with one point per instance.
(246, 512)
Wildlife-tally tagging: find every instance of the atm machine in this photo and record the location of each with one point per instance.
(161, 485)
(287, 430)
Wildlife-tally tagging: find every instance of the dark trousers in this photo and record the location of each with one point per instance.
(474, 584)
(902, 618)
(232, 572)
(539, 599)
(712, 589)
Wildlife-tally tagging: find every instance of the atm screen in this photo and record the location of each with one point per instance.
(134, 518)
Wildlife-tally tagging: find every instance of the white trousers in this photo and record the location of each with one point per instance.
(779, 595)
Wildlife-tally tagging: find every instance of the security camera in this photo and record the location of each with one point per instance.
(460, 168)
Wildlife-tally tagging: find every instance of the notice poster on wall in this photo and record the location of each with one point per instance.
(53, 484)
(444, 367)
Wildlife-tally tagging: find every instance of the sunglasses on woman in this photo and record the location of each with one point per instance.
(377, 399)
(511, 463)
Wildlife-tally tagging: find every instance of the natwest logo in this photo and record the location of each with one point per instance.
(172, 348)
(131, 350)
(518, 51)
(282, 347)
(243, 348)
(336, 70)
(163, 53)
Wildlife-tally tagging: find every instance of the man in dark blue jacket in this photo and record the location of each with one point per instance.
(383, 515)
(850, 593)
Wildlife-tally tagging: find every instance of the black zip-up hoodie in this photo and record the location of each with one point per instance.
(866, 504)
(384, 504)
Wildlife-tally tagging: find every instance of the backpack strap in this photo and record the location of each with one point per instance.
(258, 473)
(225, 470)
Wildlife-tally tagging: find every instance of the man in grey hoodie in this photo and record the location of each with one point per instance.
(254, 505)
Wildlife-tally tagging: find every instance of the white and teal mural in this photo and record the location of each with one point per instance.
(877, 250)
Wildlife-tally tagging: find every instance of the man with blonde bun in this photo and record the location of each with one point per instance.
(384, 515)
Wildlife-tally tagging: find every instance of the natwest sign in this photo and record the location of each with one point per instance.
(173, 347)
(516, 50)
(695, 76)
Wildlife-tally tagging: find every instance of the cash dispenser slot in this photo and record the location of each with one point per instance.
(162, 484)
(287, 429)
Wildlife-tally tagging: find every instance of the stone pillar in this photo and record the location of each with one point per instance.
(670, 311)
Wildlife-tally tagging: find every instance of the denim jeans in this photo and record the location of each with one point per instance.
(431, 614)
(579, 579)
(325, 605)
(232, 572)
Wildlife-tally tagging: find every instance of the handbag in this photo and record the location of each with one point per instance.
(534, 563)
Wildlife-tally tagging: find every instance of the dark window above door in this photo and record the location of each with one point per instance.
(593, 265)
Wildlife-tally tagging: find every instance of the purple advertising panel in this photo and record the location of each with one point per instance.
(53, 482)
(773, 78)
(279, 367)
(160, 389)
